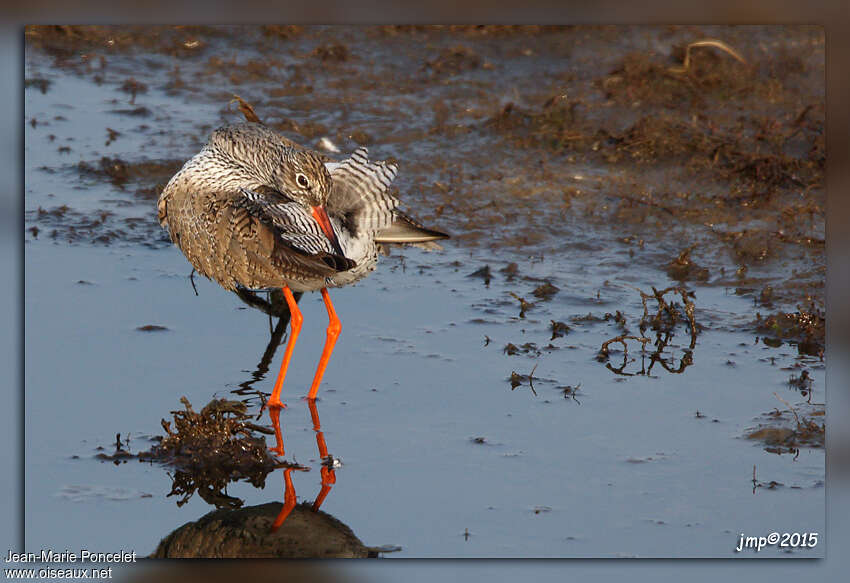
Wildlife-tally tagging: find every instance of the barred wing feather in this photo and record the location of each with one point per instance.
(294, 225)
(361, 192)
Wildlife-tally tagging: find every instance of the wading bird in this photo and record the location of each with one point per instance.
(256, 211)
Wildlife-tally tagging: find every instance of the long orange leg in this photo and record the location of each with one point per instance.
(334, 328)
(295, 327)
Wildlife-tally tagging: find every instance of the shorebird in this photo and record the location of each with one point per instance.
(256, 211)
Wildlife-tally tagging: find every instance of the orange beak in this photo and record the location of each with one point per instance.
(325, 223)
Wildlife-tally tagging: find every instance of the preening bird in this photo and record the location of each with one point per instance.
(257, 211)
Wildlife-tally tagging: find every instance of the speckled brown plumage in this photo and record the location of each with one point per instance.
(240, 212)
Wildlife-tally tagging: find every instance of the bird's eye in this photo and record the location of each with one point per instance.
(302, 180)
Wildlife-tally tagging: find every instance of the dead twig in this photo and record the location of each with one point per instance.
(790, 408)
(531, 379)
(516, 379)
(708, 42)
(622, 340)
(246, 109)
(663, 322)
(192, 281)
(523, 304)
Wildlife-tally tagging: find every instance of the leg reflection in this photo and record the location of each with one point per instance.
(274, 415)
(288, 497)
(328, 472)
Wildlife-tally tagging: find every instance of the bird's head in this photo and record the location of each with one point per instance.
(252, 156)
(304, 178)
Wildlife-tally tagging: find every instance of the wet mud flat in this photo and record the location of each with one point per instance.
(714, 149)
(631, 207)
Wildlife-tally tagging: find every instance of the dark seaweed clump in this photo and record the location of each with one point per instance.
(211, 448)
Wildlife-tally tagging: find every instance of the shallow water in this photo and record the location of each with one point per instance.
(440, 456)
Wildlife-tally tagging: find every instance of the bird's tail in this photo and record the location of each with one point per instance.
(405, 230)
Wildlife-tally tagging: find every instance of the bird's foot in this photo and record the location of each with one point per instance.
(275, 404)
